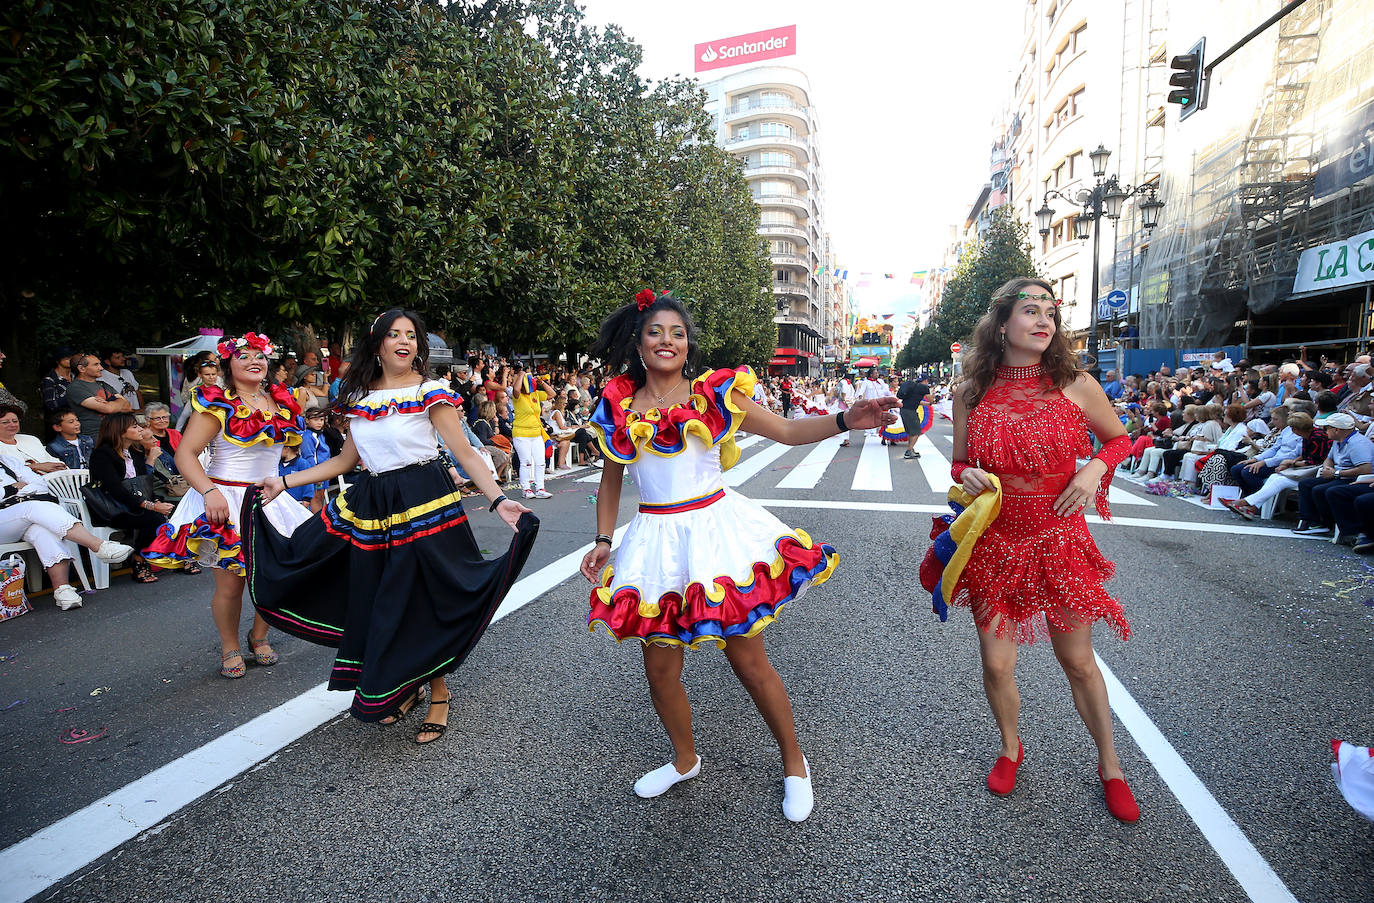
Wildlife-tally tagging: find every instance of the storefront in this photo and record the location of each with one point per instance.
(1329, 309)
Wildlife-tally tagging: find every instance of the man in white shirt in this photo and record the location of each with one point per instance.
(846, 395)
(872, 387)
(119, 378)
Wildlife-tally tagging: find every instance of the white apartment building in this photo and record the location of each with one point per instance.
(764, 117)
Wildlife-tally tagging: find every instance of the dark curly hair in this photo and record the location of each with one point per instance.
(364, 368)
(617, 345)
(980, 367)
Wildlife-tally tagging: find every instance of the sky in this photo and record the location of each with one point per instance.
(906, 93)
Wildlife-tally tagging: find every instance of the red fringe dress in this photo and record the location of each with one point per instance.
(1033, 570)
(700, 563)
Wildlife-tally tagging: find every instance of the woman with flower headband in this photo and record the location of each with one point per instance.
(1022, 416)
(245, 425)
(701, 565)
(389, 572)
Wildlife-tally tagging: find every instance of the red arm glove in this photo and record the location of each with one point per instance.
(1111, 454)
(956, 470)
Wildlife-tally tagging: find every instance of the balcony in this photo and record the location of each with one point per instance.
(741, 145)
(791, 172)
(788, 260)
(778, 230)
(790, 290)
(797, 203)
(787, 111)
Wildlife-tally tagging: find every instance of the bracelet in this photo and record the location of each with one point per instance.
(283, 483)
(205, 492)
(602, 537)
(496, 504)
(839, 422)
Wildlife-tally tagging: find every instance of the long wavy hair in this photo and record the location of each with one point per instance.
(617, 345)
(364, 367)
(980, 367)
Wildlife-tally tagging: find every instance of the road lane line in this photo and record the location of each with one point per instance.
(37, 862)
(1236, 852)
(809, 472)
(755, 463)
(874, 473)
(934, 465)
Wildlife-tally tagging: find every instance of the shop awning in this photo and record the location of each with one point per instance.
(781, 361)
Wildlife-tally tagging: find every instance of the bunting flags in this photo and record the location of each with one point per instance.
(821, 271)
(889, 276)
(919, 276)
(844, 274)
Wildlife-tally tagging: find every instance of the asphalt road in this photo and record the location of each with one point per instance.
(1250, 652)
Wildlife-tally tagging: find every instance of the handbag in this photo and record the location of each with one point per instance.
(13, 600)
(1165, 442)
(104, 508)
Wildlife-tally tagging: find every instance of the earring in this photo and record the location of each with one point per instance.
(641, 362)
(1004, 341)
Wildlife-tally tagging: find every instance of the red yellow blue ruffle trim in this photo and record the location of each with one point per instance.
(432, 394)
(176, 549)
(709, 414)
(704, 615)
(243, 425)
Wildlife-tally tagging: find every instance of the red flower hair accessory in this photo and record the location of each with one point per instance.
(645, 298)
(229, 347)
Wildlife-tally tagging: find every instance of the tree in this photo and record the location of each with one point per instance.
(1001, 254)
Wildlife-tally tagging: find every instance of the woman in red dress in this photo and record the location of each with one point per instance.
(1023, 412)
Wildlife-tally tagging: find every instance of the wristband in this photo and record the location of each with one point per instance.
(839, 422)
(205, 492)
(602, 537)
(283, 483)
(496, 504)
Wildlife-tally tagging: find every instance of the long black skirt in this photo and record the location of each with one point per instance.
(389, 574)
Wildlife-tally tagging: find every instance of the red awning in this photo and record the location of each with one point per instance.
(781, 361)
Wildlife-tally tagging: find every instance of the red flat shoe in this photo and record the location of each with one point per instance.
(1120, 801)
(1002, 778)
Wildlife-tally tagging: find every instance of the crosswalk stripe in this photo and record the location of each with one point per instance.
(809, 472)
(874, 473)
(755, 463)
(934, 465)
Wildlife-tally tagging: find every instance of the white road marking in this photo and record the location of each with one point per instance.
(1236, 852)
(40, 860)
(809, 472)
(752, 465)
(934, 465)
(874, 473)
(1118, 496)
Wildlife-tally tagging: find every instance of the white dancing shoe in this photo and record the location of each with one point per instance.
(797, 799)
(660, 780)
(543, 494)
(66, 597)
(113, 551)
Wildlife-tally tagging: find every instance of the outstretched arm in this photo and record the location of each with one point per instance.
(862, 416)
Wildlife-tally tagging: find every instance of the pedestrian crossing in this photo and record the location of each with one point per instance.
(866, 465)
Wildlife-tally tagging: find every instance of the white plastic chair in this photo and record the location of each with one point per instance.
(33, 576)
(66, 485)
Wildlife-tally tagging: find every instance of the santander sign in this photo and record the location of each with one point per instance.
(746, 48)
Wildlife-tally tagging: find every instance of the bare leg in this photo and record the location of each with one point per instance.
(1075, 653)
(83, 537)
(999, 683)
(663, 668)
(438, 713)
(760, 678)
(226, 606)
(59, 573)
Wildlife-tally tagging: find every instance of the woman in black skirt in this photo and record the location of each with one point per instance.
(119, 456)
(389, 572)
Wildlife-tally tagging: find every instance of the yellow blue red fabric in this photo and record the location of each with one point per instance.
(709, 413)
(954, 537)
(435, 395)
(243, 425)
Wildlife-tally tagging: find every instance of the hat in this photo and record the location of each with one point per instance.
(1340, 420)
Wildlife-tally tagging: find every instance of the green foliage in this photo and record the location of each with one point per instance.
(496, 165)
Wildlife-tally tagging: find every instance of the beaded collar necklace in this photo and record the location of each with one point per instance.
(1035, 371)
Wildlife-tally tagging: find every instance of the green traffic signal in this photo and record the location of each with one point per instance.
(1187, 79)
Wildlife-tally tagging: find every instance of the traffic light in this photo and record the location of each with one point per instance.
(1187, 81)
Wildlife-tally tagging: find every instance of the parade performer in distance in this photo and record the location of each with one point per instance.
(389, 573)
(700, 564)
(245, 424)
(1023, 413)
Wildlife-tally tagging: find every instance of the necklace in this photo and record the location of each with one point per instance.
(1034, 371)
(661, 399)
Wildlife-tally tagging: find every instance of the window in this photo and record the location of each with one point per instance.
(1076, 40)
(1076, 102)
(1075, 162)
(782, 246)
(742, 133)
(782, 276)
(777, 218)
(771, 188)
(775, 130)
(776, 158)
(1059, 175)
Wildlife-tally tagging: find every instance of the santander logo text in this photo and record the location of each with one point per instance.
(746, 48)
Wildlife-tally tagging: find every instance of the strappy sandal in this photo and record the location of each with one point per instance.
(233, 672)
(404, 709)
(429, 727)
(193, 568)
(270, 657)
(143, 572)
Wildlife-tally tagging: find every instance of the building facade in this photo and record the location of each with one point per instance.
(765, 119)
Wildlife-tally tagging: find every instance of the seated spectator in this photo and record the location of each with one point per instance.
(1151, 462)
(583, 438)
(167, 483)
(119, 456)
(55, 382)
(1198, 442)
(8, 397)
(1158, 426)
(120, 378)
(1357, 401)
(1282, 444)
(43, 523)
(21, 447)
(159, 418)
(1316, 445)
(488, 432)
(69, 445)
(561, 432)
(1227, 453)
(1350, 456)
(91, 399)
(1326, 403)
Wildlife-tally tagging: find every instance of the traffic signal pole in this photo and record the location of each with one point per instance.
(1192, 74)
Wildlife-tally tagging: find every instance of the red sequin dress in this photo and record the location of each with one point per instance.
(1032, 570)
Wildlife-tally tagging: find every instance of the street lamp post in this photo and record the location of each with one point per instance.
(1105, 198)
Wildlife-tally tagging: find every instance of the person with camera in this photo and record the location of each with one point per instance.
(115, 374)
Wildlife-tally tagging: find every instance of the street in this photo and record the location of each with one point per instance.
(1250, 652)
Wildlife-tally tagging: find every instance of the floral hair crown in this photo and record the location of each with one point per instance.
(648, 296)
(231, 346)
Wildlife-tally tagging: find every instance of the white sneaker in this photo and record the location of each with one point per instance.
(660, 780)
(113, 551)
(529, 493)
(543, 494)
(66, 597)
(599, 462)
(797, 799)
